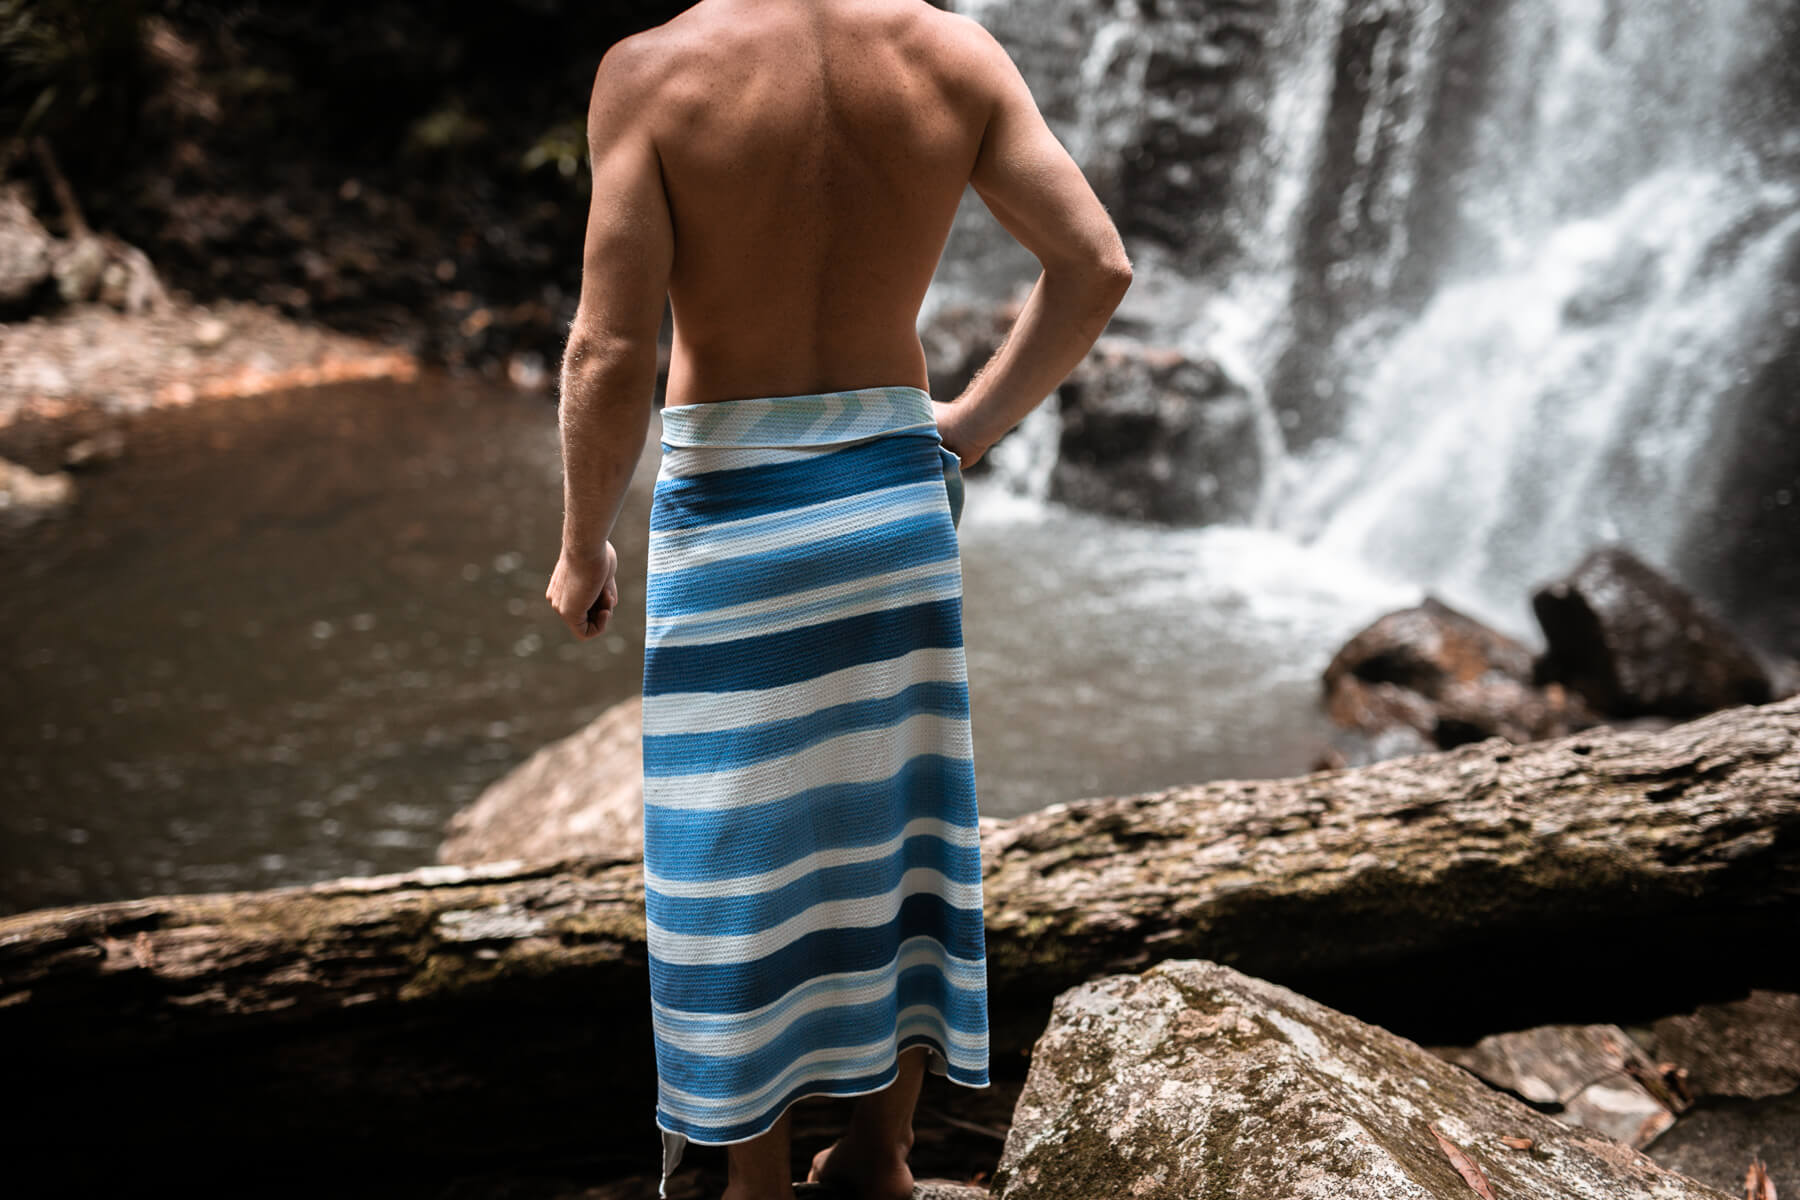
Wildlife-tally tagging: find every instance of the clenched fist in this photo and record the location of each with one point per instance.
(584, 590)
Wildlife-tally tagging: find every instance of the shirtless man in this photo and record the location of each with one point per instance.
(784, 173)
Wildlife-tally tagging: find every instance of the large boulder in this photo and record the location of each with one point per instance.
(581, 795)
(1193, 1079)
(1152, 433)
(1165, 107)
(1633, 642)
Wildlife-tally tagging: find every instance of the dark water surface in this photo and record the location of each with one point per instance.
(284, 640)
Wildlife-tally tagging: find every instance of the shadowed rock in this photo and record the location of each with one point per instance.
(1633, 642)
(1152, 433)
(1702, 1092)
(1447, 677)
(1593, 1076)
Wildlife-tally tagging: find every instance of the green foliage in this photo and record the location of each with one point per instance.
(69, 67)
(447, 128)
(563, 144)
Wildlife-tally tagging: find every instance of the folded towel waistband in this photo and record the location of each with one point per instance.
(814, 419)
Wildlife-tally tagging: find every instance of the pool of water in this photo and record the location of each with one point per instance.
(284, 640)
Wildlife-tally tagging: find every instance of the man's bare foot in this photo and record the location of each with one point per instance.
(860, 1174)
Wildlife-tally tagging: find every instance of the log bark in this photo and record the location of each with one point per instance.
(508, 1004)
(1594, 871)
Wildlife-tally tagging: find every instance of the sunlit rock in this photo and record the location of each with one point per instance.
(581, 795)
(1193, 1079)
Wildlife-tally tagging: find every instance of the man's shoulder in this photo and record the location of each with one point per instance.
(701, 31)
(636, 55)
(965, 34)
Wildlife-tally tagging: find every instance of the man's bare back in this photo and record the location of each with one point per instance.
(784, 173)
(813, 155)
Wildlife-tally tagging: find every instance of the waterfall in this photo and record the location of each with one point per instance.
(1503, 273)
(1597, 314)
(1527, 414)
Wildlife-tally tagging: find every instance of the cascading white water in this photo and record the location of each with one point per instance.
(1528, 414)
(1589, 340)
(1570, 354)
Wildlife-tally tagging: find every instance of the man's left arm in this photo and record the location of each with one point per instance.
(608, 377)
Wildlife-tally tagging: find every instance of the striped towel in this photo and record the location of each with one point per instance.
(812, 870)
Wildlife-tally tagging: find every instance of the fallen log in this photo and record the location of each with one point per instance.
(464, 1010)
(1490, 886)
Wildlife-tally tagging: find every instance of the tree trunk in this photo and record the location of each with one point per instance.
(452, 1012)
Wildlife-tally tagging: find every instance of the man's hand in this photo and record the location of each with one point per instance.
(585, 590)
(952, 424)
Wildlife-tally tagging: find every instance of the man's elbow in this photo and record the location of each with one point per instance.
(1115, 274)
(595, 353)
(1105, 276)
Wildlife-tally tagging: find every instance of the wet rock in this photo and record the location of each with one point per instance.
(1150, 433)
(25, 250)
(1632, 642)
(1193, 1079)
(1447, 677)
(27, 497)
(1164, 106)
(581, 795)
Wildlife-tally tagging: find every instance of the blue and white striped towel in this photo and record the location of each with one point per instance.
(811, 860)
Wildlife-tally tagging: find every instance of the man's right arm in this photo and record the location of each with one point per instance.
(1037, 192)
